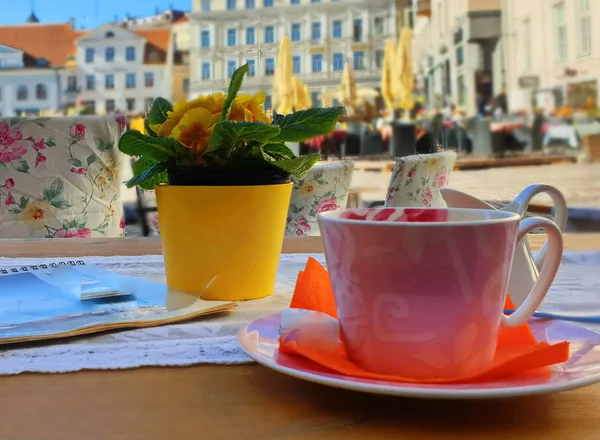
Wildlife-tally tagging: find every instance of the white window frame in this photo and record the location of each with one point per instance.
(584, 26)
(561, 39)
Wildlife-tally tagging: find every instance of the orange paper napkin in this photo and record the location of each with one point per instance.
(518, 352)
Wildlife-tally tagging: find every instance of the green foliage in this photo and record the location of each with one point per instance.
(236, 145)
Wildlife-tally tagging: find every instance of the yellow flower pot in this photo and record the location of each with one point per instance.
(228, 238)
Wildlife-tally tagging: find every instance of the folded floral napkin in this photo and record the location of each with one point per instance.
(310, 329)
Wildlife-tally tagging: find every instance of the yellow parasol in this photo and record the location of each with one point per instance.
(348, 95)
(302, 99)
(405, 79)
(283, 86)
(387, 79)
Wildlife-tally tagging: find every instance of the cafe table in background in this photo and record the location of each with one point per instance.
(214, 402)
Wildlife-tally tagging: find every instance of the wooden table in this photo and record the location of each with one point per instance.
(251, 402)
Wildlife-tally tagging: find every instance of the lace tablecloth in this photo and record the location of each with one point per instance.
(213, 339)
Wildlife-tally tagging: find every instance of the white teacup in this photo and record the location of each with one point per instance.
(525, 268)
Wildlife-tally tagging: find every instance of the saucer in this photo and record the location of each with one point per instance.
(260, 341)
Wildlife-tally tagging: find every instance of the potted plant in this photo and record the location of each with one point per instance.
(222, 175)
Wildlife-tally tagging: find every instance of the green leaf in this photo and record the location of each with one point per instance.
(14, 211)
(22, 166)
(278, 151)
(148, 174)
(149, 131)
(50, 142)
(75, 162)
(60, 204)
(307, 124)
(234, 87)
(227, 134)
(134, 143)
(23, 202)
(55, 190)
(102, 146)
(91, 159)
(298, 166)
(158, 111)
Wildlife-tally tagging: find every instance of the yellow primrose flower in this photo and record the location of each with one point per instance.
(36, 213)
(195, 128)
(179, 111)
(255, 105)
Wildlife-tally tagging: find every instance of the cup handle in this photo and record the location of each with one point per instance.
(547, 274)
(522, 201)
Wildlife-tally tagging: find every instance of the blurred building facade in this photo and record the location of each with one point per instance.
(552, 52)
(458, 51)
(325, 35)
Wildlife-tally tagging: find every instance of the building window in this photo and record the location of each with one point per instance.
(71, 84)
(338, 62)
(149, 79)
(130, 104)
(89, 55)
(148, 102)
(205, 39)
(231, 37)
(250, 4)
(584, 24)
(231, 68)
(130, 53)
(294, 2)
(205, 5)
(462, 90)
(297, 64)
(251, 67)
(338, 29)
(250, 36)
(379, 25)
(560, 29)
(316, 30)
(379, 55)
(268, 3)
(41, 92)
(90, 82)
(460, 56)
(130, 81)
(231, 5)
(358, 30)
(109, 81)
(110, 54)
(110, 106)
(270, 66)
(317, 63)
(315, 99)
(315, 1)
(185, 85)
(269, 34)
(526, 44)
(268, 102)
(205, 70)
(90, 106)
(296, 32)
(359, 60)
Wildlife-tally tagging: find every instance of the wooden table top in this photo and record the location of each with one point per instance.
(216, 402)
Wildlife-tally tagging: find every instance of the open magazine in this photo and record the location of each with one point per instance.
(69, 299)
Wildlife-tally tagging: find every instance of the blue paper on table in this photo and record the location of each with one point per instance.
(32, 296)
(42, 304)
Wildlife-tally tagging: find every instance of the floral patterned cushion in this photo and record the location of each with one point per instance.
(416, 180)
(59, 177)
(325, 188)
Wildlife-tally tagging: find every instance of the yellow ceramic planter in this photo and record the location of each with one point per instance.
(226, 237)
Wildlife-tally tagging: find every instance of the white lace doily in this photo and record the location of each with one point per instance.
(213, 339)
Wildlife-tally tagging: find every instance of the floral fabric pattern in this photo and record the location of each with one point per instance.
(416, 180)
(59, 177)
(325, 188)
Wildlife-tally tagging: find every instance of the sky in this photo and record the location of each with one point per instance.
(87, 13)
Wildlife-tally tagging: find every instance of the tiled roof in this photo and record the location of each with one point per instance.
(157, 41)
(54, 42)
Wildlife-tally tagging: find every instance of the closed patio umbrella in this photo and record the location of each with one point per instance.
(405, 81)
(283, 86)
(387, 78)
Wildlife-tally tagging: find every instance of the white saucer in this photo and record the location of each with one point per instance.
(259, 340)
